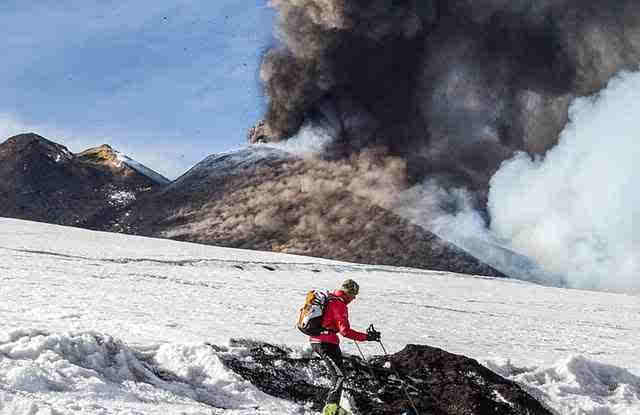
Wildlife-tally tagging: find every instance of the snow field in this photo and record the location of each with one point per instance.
(90, 373)
(578, 386)
(103, 323)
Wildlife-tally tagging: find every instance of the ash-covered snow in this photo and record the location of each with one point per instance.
(99, 323)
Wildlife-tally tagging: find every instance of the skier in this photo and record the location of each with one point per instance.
(327, 345)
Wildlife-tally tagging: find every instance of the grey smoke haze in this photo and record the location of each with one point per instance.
(453, 89)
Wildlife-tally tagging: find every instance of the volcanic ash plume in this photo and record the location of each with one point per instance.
(451, 87)
(455, 87)
(330, 47)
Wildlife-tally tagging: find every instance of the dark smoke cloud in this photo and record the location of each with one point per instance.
(454, 87)
(332, 45)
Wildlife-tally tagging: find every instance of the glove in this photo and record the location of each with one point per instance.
(372, 334)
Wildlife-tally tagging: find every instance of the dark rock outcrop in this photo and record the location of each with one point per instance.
(438, 382)
(43, 181)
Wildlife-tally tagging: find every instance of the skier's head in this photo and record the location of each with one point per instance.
(351, 288)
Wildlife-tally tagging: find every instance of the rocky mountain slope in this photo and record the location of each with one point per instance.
(257, 198)
(265, 199)
(41, 180)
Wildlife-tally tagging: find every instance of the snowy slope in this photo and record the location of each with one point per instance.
(92, 321)
(220, 164)
(142, 169)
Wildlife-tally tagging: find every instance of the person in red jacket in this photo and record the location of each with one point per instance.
(327, 345)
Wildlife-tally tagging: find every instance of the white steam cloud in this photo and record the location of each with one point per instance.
(570, 218)
(449, 213)
(310, 140)
(576, 211)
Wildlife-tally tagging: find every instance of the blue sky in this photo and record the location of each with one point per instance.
(166, 81)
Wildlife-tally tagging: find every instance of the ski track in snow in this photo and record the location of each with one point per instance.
(99, 323)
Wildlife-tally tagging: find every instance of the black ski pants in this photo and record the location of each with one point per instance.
(332, 357)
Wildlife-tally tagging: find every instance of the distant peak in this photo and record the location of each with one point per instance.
(35, 142)
(29, 137)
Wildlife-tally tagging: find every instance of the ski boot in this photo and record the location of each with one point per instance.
(334, 409)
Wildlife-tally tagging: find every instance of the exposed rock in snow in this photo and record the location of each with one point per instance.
(61, 372)
(438, 382)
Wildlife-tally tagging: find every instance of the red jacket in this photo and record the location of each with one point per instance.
(336, 319)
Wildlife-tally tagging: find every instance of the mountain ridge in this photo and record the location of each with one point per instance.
(44, 181)
(266, 199)
(233, 199)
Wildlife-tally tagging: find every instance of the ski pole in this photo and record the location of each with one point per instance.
(373, 375)
(402, 381)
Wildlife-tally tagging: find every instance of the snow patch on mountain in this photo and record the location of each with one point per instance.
(121, 198)
(220, 164)
(142, 169)
(61, 155)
